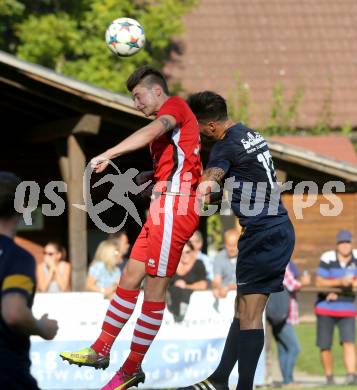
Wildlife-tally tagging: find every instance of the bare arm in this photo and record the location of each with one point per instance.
(63, 279)
(135, 141)
(19, 317)
(341, 282)
(217, 281)
(43, 280)
(211, 175)
(198, 286)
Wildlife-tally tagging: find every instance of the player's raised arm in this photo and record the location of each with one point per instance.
(135, 141)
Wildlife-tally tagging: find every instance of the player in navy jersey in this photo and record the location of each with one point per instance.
(17, 283)
(267, 239)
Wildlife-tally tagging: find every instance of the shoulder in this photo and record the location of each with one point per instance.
(174, 102)
(220, 256)
(21, 256)
(328, 257)
(96, 267)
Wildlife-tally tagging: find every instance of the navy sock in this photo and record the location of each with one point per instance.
(229, 355)
(250, 346)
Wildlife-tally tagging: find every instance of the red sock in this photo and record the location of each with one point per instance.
(146, 328)
(120, 309)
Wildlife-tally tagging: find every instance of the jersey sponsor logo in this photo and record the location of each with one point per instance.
(252, 140)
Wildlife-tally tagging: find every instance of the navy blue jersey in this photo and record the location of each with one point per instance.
(244, 156)
(17, 275)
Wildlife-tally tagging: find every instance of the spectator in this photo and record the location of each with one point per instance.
(190, 276)
(284, 334)
(104, 271)
(337, 269)
(197, 242)
(121, 239)
(17, 281)
(224, 266)
(54, 272)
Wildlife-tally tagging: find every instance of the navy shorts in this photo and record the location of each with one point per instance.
(263, 254)
(326, 325)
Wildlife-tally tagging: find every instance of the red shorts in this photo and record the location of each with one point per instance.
(170, 224)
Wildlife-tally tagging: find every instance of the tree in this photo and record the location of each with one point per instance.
(68, 36)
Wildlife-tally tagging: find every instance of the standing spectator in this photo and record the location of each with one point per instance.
(54, 272)
(224, 266)
(337, 268)
(197, 242)
(17, 281)
(284, 334)
(190, 276)
(104, 271)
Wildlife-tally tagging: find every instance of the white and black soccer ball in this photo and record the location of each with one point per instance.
(125, 37)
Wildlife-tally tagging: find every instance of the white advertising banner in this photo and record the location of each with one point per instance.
(181, 354)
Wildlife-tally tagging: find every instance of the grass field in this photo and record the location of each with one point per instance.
(309, 359)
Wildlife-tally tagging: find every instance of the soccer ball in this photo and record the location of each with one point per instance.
(125, 37)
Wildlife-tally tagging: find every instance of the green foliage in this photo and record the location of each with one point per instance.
(11, 12)
(283, 116)
(238, 101)
(214, 232)
(68, 36)
(309, 358)
(325, 117)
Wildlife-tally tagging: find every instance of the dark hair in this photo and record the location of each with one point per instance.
(208, 106)
(59, 248)
(8, 184)
(149, 76)
(117, 235)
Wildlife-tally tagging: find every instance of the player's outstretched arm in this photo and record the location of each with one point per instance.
(135, 141)
(19, 317)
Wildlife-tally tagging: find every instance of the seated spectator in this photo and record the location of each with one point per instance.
(123, 245)
(190, 276)
(287, 343)
(197, 242)
(104, 271)
(54, 272)
(224, 266)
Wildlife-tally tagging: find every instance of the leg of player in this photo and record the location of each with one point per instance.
(251, 337)
(146, 328)
(245, 339)
(119, 311)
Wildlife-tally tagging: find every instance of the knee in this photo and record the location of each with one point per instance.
(128, 280)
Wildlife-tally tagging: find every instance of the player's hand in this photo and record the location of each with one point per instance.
(180, 283)
(331, 297)
(99, 163)
(47, 328)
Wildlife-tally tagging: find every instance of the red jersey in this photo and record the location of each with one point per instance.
(176, 154)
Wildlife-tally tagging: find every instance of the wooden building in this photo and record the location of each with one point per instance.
(51, 127)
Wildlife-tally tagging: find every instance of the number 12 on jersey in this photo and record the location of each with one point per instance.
(267, 161)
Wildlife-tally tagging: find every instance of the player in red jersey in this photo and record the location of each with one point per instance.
(175, 148)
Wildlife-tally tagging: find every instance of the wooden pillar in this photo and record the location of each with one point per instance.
(77, 219)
